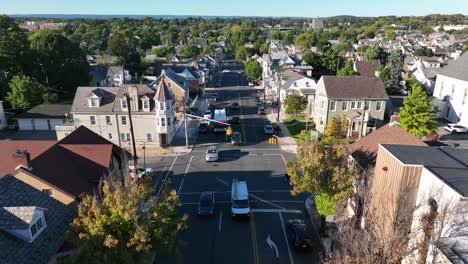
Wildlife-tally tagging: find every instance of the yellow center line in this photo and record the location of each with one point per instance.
(242, 119)
(253, 233)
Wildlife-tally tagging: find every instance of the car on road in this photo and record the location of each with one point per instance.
(261, 111)
(268, 129)
(240, 205)
(140, 171)
(235, 120)
(297, 231)
(235, 106)
(213, 98)
(258, 104)
(257, 99)
(212, 153)
(455, 128)
(206, 205)
(236, 138)
(251, 84)
(203, 128)
(266, 122)
(207, 114)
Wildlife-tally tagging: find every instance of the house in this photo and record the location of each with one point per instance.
(363, 155)
(105, 111)
(366, 68)
(178, 86)
(44, 117)
(350, 96)
(423, 188)
(120, 76)
(101, 76)
(68, 168)
(32, 224)
(451, 91)
(3, 121)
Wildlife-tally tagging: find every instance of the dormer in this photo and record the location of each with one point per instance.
(23, 222)
(145, 103)
(94, 98)
(123, 104)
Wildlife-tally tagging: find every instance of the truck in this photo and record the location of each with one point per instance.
(220, 116)
(240, 205)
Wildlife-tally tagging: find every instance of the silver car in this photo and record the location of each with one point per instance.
(212, 153)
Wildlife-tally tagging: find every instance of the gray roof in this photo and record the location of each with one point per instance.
(354, 87)
(367, 68)
(99, 72)
(458, 69)
(162, 93)
(15, 193)
(449, 164)
(47, 111)
(17, 217)
(454, 248)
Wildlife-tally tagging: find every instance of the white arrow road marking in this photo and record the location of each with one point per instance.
(272, 245)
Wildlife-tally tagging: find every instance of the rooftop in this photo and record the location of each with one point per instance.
(354, 87)
(47, 111)
(458, 69)
(8, 162)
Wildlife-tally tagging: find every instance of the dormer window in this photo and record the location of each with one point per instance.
(36, 227)
(123, 103)
(145, 103)
(93, 102)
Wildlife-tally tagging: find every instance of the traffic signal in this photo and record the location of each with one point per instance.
(229, 131)
(303, 132)
(272, 141)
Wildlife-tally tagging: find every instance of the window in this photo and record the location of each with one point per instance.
(367, 106)
(344, 106)
(125, 137)
(33, 230)
(322, 104)
(93, 102)
(332, 106)
(161, 106)
(36, 227)
(124, 103)
(48, 192)
(359, 105)
(163, 121)
(149, 137)
(378, 106)
(353, 105)
(110, 135)
(108, 120)
(168, 122)
(169, 85)
(146, 104)
(124, 120)
(92, 119)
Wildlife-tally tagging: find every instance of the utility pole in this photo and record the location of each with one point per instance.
(363, 112)
(135, 158)
(185, 123)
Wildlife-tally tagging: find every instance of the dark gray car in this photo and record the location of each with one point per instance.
(206, 204)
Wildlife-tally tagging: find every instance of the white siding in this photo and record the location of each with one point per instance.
(455, 105)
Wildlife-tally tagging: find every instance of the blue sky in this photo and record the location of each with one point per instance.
(302, 8)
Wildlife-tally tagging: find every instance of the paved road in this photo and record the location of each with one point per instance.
(220, 239)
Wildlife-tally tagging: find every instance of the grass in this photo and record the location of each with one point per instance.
(295, 125)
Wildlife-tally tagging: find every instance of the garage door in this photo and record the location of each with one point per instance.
(41, 124)
(55, 122)
(25, 124)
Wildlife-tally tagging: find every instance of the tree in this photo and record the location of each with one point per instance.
(336, 128)
(253, 70)
(426, 30)
(315, 61)
(418, 113)
(125, 225)
(288, 37)
(390, 34)
(323, 171)
(117, 45)
(306, 40)
(348, 70)
(325, 204)
(295, 104)
(241, 53)
(374, 52)
(393, 73)
(264, 48)
(25, 92)
(424, 52)
(189, 51)
(60, 64)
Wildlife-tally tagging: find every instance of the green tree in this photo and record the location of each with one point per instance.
(117, 45)
(241, 53)
(306, 40)
(125, 225)
(390, 34)
(288, 37)
(424, 52)
(314, 60)
(264, 48)
(295, 104)
(189, 51)
(60, 64)
(25, 92)
(325, 204)
(426, 30)
(374, 52)
(418, 114)
(348, 70)
(253, 70)
(393, 73)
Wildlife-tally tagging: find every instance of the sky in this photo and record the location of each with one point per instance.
(283, 8)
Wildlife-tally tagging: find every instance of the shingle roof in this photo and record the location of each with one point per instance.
(458, 69)
(7, 148)
(367, 68)
(17, 217)
(354, 87)
(99, 72)
(47, 111)
(365, 150)
(15, 193)
(162, 94)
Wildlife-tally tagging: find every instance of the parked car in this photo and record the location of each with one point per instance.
(235, 106)
(203, 128)
(268, 129)
(297, 231)
(206, 205)
(141, 172)
(235, 120)
(251, 84)
(455, 128)
(266, 122)
(257, 99)
(207, 114)
(236, 138)
(261, 111)
(212, 153)
(218, 84)
(213, 98)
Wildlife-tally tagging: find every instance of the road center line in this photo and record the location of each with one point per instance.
(286, 238)
(165, 179)
(186, 171)
(220, 220)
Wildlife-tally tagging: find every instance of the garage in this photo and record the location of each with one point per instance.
(44, 117)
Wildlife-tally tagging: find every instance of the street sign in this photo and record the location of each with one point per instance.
(273, 246)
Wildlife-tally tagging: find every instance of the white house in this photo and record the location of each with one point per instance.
(451, 91)
(44, 117)
(3, 121)
(120, 76)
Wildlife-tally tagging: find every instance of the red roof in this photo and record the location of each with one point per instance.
(100, 154)
(7, 148)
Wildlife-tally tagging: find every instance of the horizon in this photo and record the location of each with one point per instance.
(240, 8)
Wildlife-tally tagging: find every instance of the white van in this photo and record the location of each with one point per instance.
(240, 205)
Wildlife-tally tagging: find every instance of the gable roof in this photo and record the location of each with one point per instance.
(162, 94)
(99, 72)
(17, 217)
(367, 68)
(15, 193)
(354, 87)
(458, 69)
(8, 163)
(47, 111)
(364, 151)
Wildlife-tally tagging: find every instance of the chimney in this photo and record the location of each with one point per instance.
(22, 158)
(133, 93)
(394, 119)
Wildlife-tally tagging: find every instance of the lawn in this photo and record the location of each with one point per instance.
(295, 125)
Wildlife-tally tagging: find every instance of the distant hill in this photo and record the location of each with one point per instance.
(98, 16)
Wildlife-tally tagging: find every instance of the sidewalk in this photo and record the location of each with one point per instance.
(285, 140)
